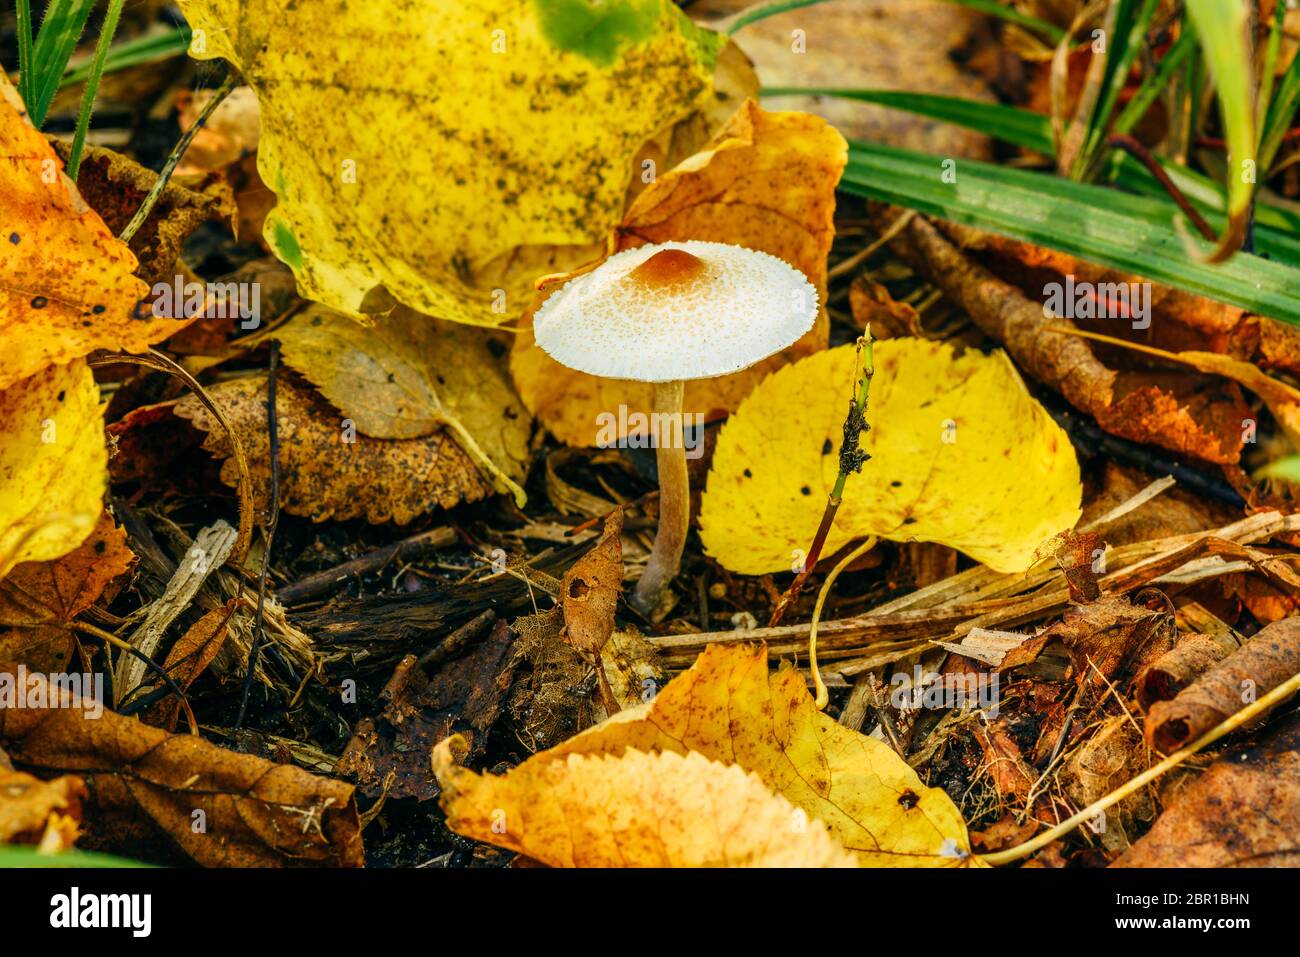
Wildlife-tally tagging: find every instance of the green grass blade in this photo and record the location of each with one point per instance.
(1281, 114)
(1221, 28)
(64, 22)
(1156, 83)
(1287, 469)
(1002, 11)
(1134, 234)
(24, 17)
(762, 11)
(1032, 131)
(134, 52)
(92, 85)
(22, 856)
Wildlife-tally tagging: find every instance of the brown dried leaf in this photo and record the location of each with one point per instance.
(322, 474)
(1243, 812)
(1256, 668)
(1177, 668)
(590, 589)
(39, 600)
(115, 187)
(190, 657)
(255, 813)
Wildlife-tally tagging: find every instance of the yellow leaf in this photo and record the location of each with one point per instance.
(767, 182)
(53, 464)
(66, 283)
(407, 376)
(634, 810)
(728, 708)
(513, 124)
(961, 454)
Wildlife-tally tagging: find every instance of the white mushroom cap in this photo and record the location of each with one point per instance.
(691, 310)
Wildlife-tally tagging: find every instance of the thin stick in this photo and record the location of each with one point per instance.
(1139, 152)
(852, 459)
(92, 85)
(178, 151)
(272, 520)
(1277, 695)
(823, 696)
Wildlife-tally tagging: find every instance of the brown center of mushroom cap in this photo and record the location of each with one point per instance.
(668, 267)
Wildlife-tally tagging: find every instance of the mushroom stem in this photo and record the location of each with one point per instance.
(674, 502)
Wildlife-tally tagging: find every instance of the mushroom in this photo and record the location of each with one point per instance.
(666, 314)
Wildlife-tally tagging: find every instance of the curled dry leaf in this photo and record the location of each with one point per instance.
(958, 453)
(409, 376)
(256, 813)
(116, 187)
(728, 708)
(39, 600)
(53, 464)
(766, 182)
(1111, 756)
(633, 810)
(590, 588)
(325, 470)
(1256, 668)
(1177, 668)
(1244, 811)
(517, 128)
(66, 283)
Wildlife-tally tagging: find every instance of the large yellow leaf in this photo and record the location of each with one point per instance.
(728, 708)
(961, 454)
(633, 810)
(426, 146)
(53, 464)
(407, 376)
(66, 283)
(767, 182)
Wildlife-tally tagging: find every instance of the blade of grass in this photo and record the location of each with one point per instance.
(1156, 82)
(1032, 131)
(92, 85)
(1281, 114)
(24, 16)
(134, 52)
(1221, 29)
(761, 11)
(1134, 234)
(1129, 35)
(64, 22)
(992, 8)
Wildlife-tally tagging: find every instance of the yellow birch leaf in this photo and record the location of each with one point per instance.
(730, 708)
(512, 123)
(767, 182)
(66, 283)
(53, 464)
(407, 376)
(633, 810)
(961, 454)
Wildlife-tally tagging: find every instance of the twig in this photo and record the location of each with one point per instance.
(268, 530)
(320, 583)
(178, 151)
(852, 459)
(109, 638)
(1140, 153)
